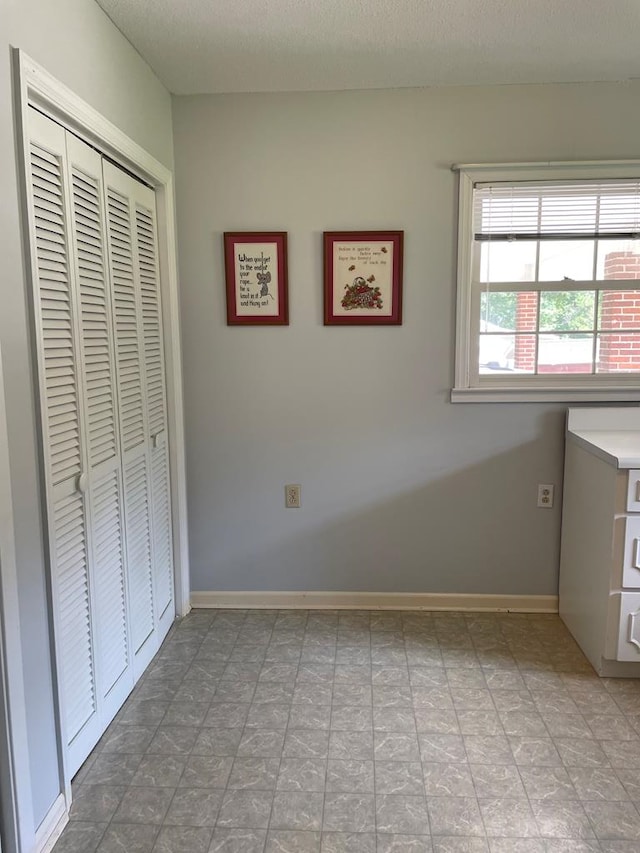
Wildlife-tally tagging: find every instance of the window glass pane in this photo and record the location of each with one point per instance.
(566, 259)
(508, 261)
(496, 353)
(618, 353)
(619, 309)
(618, 259)
(567, 310)
(506, 312)
(565, 354)
(507, 354)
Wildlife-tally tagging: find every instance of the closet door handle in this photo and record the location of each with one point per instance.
(157, 440)
(82, 483)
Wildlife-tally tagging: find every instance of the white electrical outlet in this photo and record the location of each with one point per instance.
(545, 495)
(292, 496)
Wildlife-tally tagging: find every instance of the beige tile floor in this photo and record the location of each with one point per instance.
(365, 732)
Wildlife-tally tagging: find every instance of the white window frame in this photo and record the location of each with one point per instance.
(469, 385)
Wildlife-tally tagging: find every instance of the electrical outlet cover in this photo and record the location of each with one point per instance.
(545, 495)
(292, 496)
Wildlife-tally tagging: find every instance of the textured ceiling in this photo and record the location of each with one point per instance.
(206, 46)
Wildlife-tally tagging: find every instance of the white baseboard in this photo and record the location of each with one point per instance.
(376, 601)
(51, 827)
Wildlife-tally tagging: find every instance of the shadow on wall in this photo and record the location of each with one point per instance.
(474, 530)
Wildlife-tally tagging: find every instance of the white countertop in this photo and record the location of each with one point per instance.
(619, 447)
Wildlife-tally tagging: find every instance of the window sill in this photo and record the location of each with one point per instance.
(547, 395)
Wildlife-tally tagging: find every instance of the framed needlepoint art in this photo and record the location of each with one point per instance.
(363, 278)
(256, 278)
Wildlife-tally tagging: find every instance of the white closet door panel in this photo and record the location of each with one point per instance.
(62, 429)
(114, 673)
(147, 268)
(130, 372)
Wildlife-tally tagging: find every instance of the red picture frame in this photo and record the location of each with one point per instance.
(363, 278)
(256, 278)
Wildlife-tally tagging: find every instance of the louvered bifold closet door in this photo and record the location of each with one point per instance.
(133, 420)
(63, 437)
(114, 673)
(149, 280)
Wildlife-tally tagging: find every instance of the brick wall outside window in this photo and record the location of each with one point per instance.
(620, 352)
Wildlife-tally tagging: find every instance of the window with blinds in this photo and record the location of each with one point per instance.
(549, 280)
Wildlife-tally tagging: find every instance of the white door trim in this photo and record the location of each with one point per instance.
(15, 773)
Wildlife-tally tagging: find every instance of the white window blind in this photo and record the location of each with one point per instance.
(557, 210)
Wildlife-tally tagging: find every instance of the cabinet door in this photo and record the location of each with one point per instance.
(627, 608)
(114, 673)
(63, 440)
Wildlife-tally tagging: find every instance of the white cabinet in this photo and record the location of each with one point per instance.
(599, 589)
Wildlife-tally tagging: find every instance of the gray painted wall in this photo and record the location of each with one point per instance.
(400, 489)
(74, 41)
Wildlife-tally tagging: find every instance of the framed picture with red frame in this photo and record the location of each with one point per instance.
(363, 278)
(256, 278)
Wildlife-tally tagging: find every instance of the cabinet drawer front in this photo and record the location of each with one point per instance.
(633, 491)
(629, 627)
(631, 560)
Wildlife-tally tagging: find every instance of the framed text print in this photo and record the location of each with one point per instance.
(363, 277)
(256, 276)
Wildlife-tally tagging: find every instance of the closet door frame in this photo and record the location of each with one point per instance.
(37, 88)
(15, 772)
